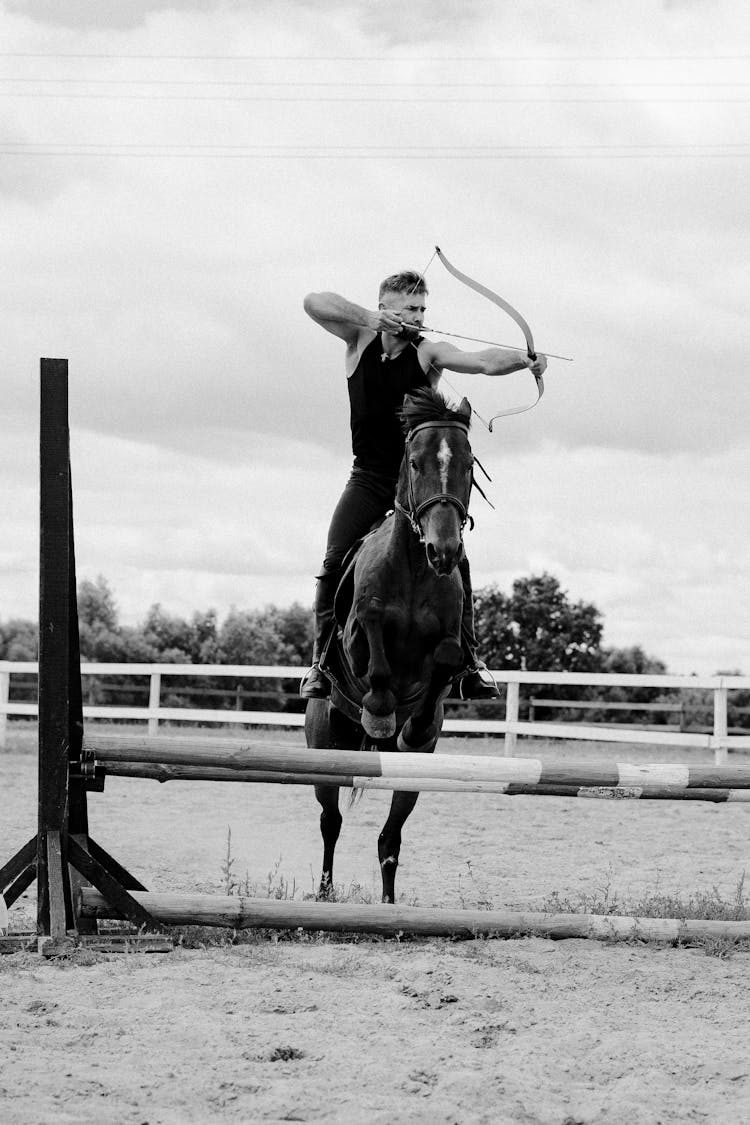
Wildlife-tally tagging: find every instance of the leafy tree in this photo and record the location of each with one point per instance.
(631, 660)
(178, 641)
(170, 636)
(295, 627)
(205, 638)
(98, 627)
(493, 624)
(258, 637)
(96, 604)
(19, 639)
(538, 628)
(252, 637)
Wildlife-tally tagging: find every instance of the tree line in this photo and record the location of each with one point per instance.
(534, 627)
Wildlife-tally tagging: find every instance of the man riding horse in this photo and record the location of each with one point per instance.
(386, 358)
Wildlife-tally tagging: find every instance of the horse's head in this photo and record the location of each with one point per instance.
(436, 475)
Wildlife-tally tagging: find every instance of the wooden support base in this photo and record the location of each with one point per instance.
(19, 872)
(95, 943)
(104, 943)
(18, 943)
(85, 860)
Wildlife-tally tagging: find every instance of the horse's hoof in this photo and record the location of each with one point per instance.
(378, 726)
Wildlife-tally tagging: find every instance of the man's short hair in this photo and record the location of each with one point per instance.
(407, 281)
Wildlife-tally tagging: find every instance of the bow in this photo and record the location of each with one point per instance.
(515, 315)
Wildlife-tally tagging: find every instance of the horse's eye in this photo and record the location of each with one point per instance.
(413, 465)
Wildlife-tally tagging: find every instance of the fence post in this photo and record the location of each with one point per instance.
(721, 751)
(4, 694)
(154, 696)
(511, 716)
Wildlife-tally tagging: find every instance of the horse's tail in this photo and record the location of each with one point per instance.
(355, 796)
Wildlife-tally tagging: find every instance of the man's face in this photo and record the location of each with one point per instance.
(409, 307)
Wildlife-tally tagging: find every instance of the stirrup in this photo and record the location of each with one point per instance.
(315, 685)
(478, 682)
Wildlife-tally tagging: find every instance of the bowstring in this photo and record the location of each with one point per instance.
(441, 374)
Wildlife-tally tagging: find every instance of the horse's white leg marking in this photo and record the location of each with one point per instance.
(444, 459)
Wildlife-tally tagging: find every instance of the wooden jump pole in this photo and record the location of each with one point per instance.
(239, 913)
(162, 772)
(282, 758)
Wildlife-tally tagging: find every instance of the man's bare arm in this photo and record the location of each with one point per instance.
(345, 319)
(489, 361)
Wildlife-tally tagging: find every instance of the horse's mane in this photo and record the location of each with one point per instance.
(425, 404)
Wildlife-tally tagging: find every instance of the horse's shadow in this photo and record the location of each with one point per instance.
(397, 650)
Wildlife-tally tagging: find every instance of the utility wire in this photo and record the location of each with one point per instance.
(396, 154)
(376, 58)
(348, 100)
(297, 84)
(371, 147)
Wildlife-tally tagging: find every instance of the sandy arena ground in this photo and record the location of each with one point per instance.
(381, 1031)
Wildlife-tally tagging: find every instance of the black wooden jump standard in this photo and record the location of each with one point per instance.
(62, 856)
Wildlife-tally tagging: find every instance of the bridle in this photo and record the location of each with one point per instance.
(414, 511)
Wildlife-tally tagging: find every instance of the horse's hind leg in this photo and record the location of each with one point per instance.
(326, 728)
(330, 827)
(389, 840)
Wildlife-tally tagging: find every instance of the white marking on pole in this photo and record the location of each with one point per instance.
(444, 459)
(431, 784)
(676, 777)
(462, 767)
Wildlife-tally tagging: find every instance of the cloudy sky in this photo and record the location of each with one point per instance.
(174, 177)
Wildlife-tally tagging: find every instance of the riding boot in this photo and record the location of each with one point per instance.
(477, 682)
(315, 684)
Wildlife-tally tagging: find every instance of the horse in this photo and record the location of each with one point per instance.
(397, 648)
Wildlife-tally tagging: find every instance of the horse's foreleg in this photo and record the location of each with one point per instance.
(420, 732)
(330, 827)
(389, 841)
(379, 703)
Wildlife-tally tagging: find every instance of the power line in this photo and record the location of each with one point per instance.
(167, 145)
(348, 100)
(296, 84)
(438, 153)
(375, 58)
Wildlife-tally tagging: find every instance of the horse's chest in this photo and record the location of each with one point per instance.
(407, 621)
(420, 618)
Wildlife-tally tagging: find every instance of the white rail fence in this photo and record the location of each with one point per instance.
(717, 739)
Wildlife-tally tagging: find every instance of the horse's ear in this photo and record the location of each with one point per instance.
(464, 408)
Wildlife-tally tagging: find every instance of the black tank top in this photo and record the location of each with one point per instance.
(376, 394)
